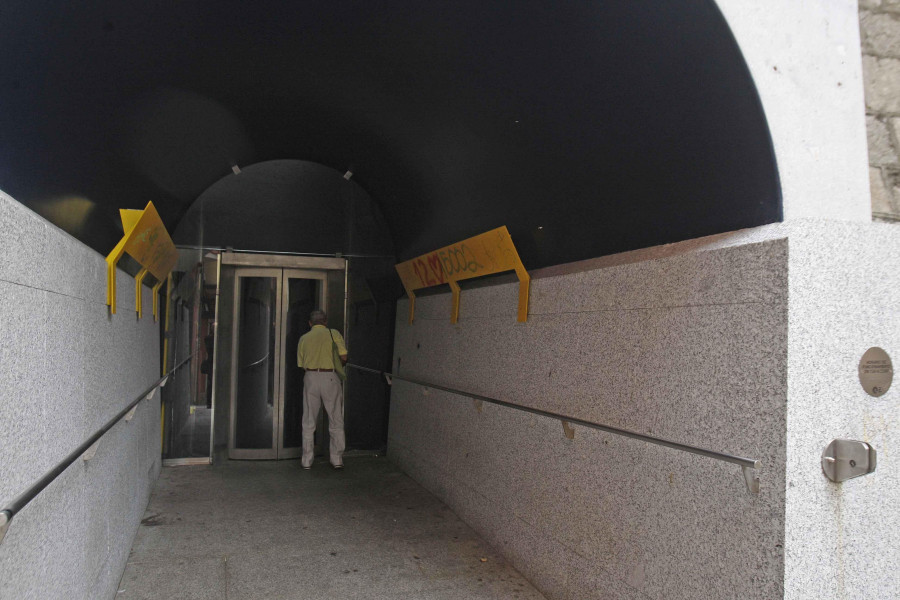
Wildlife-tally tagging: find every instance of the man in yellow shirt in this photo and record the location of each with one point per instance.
(321, 385)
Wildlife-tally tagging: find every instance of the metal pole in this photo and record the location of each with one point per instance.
(320, 254)
(212, 371)
(346, 332)
(743, 462)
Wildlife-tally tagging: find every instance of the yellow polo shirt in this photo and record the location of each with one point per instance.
(314, 349)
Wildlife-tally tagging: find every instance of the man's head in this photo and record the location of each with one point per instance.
(317, 317)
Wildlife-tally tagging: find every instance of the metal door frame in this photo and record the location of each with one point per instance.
(322, 278)
(253, 453)
(281, 275)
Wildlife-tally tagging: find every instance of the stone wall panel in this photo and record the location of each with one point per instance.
(68, 367)
(691, 347)
(879, 22)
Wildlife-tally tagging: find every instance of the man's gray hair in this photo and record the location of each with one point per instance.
(318, 317)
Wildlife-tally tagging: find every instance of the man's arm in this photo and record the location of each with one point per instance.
(341, 345)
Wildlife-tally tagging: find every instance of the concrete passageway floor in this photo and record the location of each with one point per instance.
(270, 530)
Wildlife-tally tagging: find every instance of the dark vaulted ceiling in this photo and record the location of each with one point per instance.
(586, 127)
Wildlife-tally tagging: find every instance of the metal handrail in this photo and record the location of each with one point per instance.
(7, 513)
(748, 465)
(281, 253)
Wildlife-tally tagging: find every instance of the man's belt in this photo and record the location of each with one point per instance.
(320, 369)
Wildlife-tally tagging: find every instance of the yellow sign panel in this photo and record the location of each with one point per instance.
(148, 242)
(485, 254)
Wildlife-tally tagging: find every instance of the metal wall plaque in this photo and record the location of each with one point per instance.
(876, 372)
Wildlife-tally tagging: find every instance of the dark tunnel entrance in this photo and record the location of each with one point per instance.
(304, 216)
(587, 129)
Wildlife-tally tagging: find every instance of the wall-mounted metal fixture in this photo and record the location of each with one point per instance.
(156, 299)
(138, 296)
(5, 518)
(749, 466)
(846, 459)
(751, 478)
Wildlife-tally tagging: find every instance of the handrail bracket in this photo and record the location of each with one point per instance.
(751, 478)
(5, 518)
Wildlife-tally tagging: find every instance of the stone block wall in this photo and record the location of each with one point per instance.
(841, 538)
(688, 343)
(746, 343)
(67, 367)
(880, 36)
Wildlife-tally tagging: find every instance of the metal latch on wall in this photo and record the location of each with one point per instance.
(846, 459)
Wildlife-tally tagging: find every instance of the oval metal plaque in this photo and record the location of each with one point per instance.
(876, 372)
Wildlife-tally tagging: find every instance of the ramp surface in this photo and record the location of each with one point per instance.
(272, 530)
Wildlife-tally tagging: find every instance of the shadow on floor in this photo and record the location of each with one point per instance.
(270, 530)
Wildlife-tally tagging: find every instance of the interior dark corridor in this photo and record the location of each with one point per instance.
(377, 132)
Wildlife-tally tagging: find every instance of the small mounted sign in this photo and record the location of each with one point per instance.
(876, 373)
(485, 254)
(148, 242)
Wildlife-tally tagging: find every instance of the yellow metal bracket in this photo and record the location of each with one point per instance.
(485, 254)
(147, 241)
(138, 296)
(156, 300)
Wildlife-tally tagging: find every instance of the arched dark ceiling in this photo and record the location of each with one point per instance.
(588, 128)
(293, 206)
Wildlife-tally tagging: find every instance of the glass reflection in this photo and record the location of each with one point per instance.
(256, 362)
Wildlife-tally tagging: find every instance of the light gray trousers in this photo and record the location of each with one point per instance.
(323, 387)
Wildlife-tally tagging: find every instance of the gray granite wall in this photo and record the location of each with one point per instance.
(842, 539)
(688, 342)
(67, 367)
(746, 343)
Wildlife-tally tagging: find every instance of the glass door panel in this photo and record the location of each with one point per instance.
(302, 292)
(255, 361)
(271, 312)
